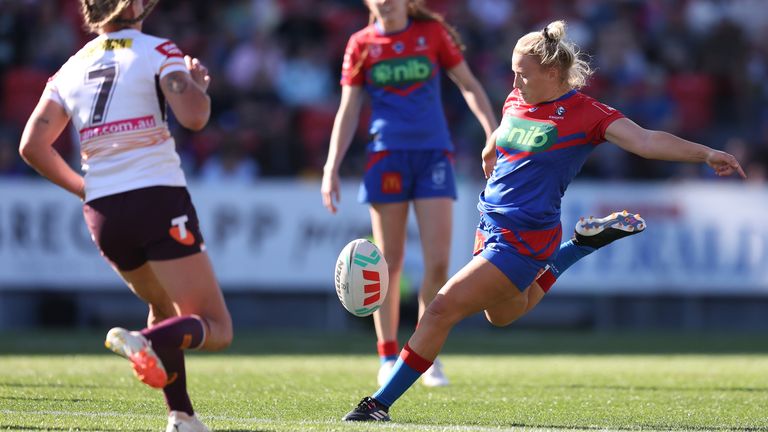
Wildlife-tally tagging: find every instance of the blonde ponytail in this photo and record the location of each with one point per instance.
(550, 46)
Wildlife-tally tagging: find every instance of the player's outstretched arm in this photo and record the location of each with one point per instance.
(36, 148)
(186, 94)
(653, 144)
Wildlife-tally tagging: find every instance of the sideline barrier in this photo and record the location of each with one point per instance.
(703, 237)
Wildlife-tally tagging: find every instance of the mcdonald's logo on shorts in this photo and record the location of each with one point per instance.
(391, 183)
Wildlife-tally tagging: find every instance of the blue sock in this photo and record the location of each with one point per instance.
(569, 253)
(402, 378)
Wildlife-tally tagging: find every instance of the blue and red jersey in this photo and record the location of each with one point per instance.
(401, 72)
(540, 149)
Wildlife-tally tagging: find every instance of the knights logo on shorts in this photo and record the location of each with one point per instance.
(439, 174)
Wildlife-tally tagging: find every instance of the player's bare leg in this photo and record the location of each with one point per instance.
(192, 287)
(475, 287)
(132, 345)
(186, 310)
(389, 222)
(435, 219)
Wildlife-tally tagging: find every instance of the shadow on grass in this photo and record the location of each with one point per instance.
(647, 426)
(243, 430)
(54, 428)
(476, 342)
(45, 399)
(657, 388)
(48, 385)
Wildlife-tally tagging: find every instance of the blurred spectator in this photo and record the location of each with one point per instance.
(305, 79)
(254, 64)
(52, 41)
(698, 68)
(10, 162)
(229, 164)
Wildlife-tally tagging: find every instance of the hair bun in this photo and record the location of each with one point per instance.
(554, 31)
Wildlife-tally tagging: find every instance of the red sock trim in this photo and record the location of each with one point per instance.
(387, 348)
(546, 280)
(415, 361)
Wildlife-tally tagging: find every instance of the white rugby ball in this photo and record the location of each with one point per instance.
(361, 277)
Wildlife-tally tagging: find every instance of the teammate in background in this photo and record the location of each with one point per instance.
(137, 207)
(547, 131)
(397, 60)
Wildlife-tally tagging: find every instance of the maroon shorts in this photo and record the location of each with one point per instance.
(150, 224)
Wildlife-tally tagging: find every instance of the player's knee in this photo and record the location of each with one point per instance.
(221, 335)
(226, 339)
(505, 314)
(500, 320)
(436, 272)
(395, 267)
(220, 342)
(443, 311)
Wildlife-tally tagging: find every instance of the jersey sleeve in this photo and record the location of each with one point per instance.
(51, 90)
(449, 54)
(352, 73)
(170, 59)
(598, 117)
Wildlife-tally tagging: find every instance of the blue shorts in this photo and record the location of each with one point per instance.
(519, 254)
(405, 175)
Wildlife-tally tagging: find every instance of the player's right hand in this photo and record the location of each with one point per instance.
(330, 190)
(724, 164)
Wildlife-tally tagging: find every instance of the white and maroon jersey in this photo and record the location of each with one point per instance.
(111, 91)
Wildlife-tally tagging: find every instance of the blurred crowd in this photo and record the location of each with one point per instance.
(696, 68)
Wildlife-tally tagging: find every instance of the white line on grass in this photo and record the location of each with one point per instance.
(396, 426)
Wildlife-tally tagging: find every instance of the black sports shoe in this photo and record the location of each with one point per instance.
(597, 233)
(369, 409)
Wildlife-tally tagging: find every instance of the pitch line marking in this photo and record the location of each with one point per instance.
(395, 426)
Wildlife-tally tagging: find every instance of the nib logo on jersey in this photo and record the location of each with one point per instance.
(401, 71)
(526, 135)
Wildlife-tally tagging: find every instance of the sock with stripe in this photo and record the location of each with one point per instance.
(387, 350)
(175, 392)
(569, 253)
(169, 338)
(407, 370)
(183, 332)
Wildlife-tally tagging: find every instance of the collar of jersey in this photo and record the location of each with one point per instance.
(565, 96)
(121, 31)
(380, 31)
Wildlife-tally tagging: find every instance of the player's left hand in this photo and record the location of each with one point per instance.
(198, 71)
(724, 164)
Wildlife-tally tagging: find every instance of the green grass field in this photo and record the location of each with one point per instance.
(501, 380)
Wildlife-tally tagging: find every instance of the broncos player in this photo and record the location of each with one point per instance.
(136, 205)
